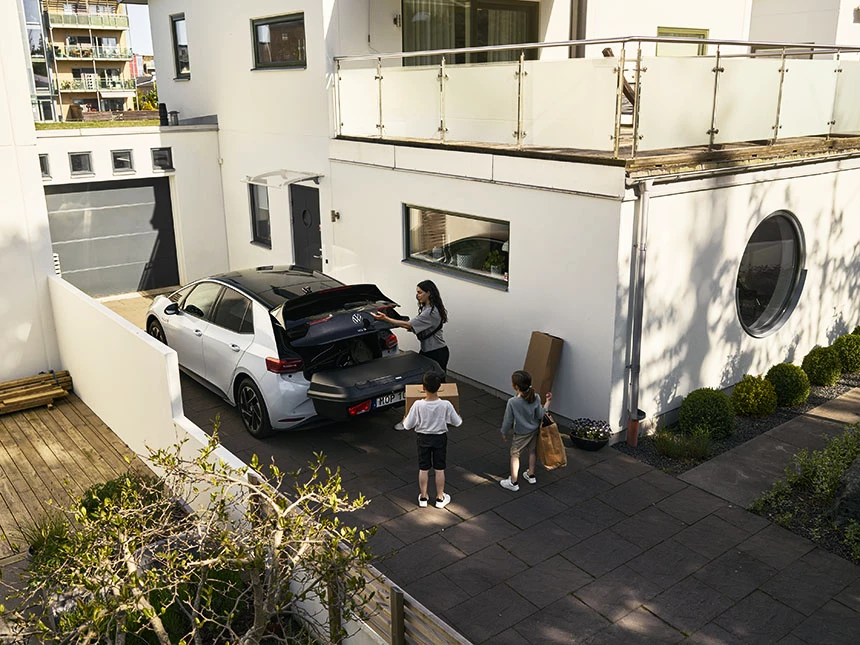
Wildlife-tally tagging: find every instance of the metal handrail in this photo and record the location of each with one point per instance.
(819, 49)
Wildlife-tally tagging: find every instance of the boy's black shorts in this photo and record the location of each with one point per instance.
(432, 450)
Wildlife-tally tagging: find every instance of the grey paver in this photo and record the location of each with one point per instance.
(759, 618)
(414, 561)
(529, 507)
(835, 624)
(602, 552)
(776, 546)
(489, 613)
(667, 563)
(419, 523)
(688, 605)
(617, 593)
(810, 581)
(577, 487)
(648, 527)
(690, 504)
(633, 496)
(711, 536)
(485, 569)
(550, 580)
(588, 518)
(742, 518)
(438, 593)
(480, 531)
(539, 542)
(639, 627)
(735, 574)
(619, 468)
(850, 596)
(567, 620)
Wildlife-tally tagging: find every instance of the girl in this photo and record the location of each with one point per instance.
(523, 416)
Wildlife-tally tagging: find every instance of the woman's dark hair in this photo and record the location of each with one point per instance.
(522, 380)
(435, 299)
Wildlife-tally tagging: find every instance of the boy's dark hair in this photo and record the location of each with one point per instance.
(432, 381)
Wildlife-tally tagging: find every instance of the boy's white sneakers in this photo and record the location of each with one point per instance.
(399, 426)
(442, 503)
(422, 502)
(508, 484)
(531, 479)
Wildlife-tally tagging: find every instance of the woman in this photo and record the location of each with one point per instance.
(427, 325)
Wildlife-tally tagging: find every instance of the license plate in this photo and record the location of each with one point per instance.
(389, 399)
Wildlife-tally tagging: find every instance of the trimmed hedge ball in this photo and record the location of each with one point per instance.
(822, 366)
(790, 383)
(708, 409)
(754, 396)
(848, 347)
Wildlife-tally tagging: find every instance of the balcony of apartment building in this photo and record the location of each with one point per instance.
(730, 102)
(87, 20)
(91, 52)
(96, 83)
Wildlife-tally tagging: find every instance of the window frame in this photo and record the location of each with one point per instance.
(45, 168)
(298, 17)
(497, 281)
(683, 32)
(122, 171)
(177, 65)
(207, 315)
(156, 167)
(256, 237)
(247, 317)
(81, 173)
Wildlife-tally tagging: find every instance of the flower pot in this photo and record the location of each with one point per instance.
(588, 444)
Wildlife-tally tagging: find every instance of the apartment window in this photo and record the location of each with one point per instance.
(771, 274)
(162, 159)
(261, 232)
(122, 161)
(37, 43)
(280, 41)
(180, 46)
(682, 49)
(45, 166)
(41, 78)
(449, 24)
(470, 246)
(81, 163)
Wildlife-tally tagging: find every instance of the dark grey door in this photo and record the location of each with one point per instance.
(114, 237)
(305, 215)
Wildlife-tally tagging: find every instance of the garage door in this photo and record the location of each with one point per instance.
(114, 237)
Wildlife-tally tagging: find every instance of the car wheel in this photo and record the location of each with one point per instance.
(252, 407)
(154, 329)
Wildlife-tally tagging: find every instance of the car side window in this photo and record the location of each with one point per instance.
(202, 298)
(234, 313)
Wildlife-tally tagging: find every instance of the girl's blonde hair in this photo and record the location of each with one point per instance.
(522, 381)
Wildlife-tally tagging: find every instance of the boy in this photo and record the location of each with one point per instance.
(429, 417)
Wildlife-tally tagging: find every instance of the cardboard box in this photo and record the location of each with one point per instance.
(447, 391)
(542, 360)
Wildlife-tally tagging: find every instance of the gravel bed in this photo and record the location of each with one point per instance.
(746, 428)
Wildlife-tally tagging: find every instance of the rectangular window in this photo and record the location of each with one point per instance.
(260, 229)
(122, 161)
(180, 46)
(81, 163)
(280, 41)
(41, 79)
(162, 159)
(682, 49)
(472, 246)
(45, 166)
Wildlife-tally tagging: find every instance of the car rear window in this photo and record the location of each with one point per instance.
(234, 313)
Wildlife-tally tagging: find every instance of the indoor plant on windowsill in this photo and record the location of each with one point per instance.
(589, 434)
(495, 262)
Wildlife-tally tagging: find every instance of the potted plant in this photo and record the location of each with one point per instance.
(495, 262)
(589, 434)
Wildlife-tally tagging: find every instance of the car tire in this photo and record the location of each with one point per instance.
(252, 408)
(154, 329)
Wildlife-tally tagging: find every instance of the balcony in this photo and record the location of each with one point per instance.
(93, 83)
(89, 20)
(89, 52)
(576, 107)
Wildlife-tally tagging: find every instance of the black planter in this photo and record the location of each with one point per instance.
(588, 444)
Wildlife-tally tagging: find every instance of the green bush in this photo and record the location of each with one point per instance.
(822, 366)
(708, 409)
(754, 396)
(696, 445)
(790, 383)
(856, 331)
(848, 347)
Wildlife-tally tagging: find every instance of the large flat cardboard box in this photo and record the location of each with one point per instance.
(542, 360)
(447, 391)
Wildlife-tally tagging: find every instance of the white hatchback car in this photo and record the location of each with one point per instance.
(287, 345)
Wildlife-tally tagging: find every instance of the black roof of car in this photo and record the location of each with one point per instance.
(274, 285)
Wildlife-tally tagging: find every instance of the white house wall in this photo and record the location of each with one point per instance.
(795, 20)
(697, 235)
(28, 342)
(563, 260)
(195, 185)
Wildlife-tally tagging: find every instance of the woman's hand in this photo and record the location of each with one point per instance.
(379, 316)
(548, 399)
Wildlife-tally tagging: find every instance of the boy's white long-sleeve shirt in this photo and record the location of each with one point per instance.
(431, 417)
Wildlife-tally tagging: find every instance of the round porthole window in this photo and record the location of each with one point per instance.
(771, 275)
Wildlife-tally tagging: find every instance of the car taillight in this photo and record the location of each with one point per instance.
(284, 365)
(359, 408)
(390, 341)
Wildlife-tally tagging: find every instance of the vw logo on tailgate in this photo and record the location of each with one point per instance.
(357, 319)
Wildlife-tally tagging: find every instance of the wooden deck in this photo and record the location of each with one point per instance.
(47, 458)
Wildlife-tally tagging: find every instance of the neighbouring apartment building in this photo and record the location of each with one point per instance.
(80, 57)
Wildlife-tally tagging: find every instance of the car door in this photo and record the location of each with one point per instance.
(188, 327)
(230, 333)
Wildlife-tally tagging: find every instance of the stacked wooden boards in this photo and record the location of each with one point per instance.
(34, 391)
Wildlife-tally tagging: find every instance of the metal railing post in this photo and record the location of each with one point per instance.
(619, 102)
(782, 70)
(338, 112)
(637, 95)
(379, 125)
(443, 78)
(521, 72)
(838, 70)
(713, 131)
(398, 616)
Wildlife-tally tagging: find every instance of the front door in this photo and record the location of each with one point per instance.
(305, 215)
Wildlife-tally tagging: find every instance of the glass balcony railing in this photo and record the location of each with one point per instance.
(96, 84)
(623, 103)
(90, 52)
(94, 20)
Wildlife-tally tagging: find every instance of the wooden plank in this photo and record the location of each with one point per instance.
(100, 437)
(32, 401)
(36, 379)
(17, 484)
(36, 388)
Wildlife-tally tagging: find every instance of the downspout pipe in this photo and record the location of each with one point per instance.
(637, 307)
(578, 13)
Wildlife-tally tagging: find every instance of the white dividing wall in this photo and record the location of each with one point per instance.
(27, 340)
(697, 235)
(195, 185)
(563, 258)
(795, 20)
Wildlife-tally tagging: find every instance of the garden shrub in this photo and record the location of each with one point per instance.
(822, 366)
(754, 396)
(696, 445)
(790, 383)
(856, 331)
(848, 347)
(708, 409)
